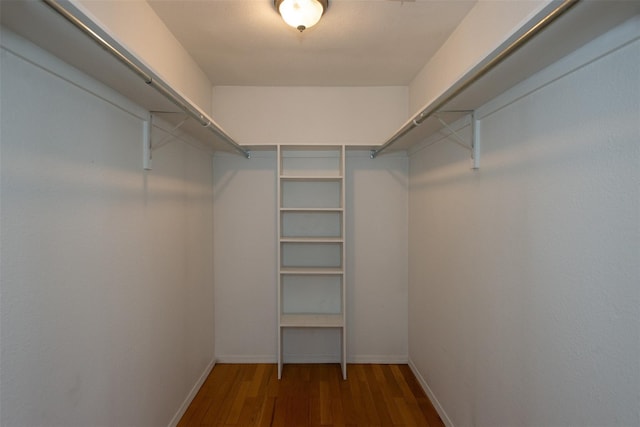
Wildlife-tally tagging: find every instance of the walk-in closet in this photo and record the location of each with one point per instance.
(416, 212)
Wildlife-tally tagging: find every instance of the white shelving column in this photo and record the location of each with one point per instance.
(311, 250)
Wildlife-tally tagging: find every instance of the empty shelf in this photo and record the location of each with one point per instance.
(311, 320)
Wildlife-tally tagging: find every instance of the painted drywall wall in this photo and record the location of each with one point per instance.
(136, 26)
(468, 45)
(524, 302)
(377, 199)
(245, 257)
(245, 262)
(107, 284)
(310, 115)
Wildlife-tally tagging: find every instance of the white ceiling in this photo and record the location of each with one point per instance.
(357, 42)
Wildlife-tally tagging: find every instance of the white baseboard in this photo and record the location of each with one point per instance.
(436, 404)
(194, 390)
(379, 359)
(305, 358)
(310, 358)
(235, 358)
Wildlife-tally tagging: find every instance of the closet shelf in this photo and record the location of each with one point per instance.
(587, 20)
(311, 271)
(311, 321)
(311, 210)
(311, 240)
(81, 41)
(302, 178)
(538, 43)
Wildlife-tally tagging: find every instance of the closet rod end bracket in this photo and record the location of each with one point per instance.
(475, 141)
(146, 144)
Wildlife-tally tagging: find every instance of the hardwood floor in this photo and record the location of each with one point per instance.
(311, 395)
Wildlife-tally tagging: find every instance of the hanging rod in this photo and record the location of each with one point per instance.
(475, 74)
(148, 78)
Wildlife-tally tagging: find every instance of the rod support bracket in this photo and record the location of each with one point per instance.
(475, 141)
(146, 144)
(171, 133)
(474, 146)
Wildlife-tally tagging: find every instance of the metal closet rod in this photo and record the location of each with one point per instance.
(475, 74)
(154, 82)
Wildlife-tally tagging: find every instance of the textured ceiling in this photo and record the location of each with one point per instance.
(357, 42)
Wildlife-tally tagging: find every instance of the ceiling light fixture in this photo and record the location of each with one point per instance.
(301, 14)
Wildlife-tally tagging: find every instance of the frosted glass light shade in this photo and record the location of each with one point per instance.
(301, 14)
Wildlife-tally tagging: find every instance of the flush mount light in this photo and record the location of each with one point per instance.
(301, 14)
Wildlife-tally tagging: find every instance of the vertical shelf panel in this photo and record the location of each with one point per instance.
(343, 330)
(278, 257)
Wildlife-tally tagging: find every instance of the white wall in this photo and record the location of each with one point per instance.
(107, 296)
(245, 220)
(377, 257)
(310, 115)
(524, 304)
(245, 262)
(245, 257)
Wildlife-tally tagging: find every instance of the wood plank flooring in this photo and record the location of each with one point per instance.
(311, 395)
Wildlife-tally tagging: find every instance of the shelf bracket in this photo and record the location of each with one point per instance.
(171, 132)
(474, 147)
(475, 141)
(146, 144)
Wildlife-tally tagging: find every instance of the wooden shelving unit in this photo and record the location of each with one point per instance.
(311, 252)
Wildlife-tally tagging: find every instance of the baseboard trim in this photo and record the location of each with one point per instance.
(379, 359)
(436, 404)
(301, 358)
(194, 390)
(234, 358)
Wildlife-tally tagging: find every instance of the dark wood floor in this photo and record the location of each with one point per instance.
(311, 395)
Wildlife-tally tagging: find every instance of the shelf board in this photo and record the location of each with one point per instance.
(311, 271)
(311, 321)
(301, 150)
(311, 239)
(38, 24)
(316, 178)
(311, 210)
(583, 23)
